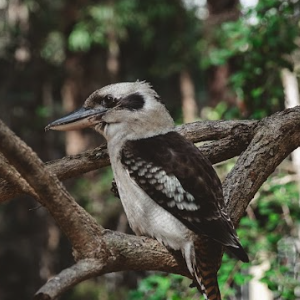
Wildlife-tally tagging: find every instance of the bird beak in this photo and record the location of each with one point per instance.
(78, 119)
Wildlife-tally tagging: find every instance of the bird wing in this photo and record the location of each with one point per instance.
(175, 174)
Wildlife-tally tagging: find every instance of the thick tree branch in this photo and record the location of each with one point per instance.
(216, 130)
(125, 252)
(84, 269)
(65, 168)
(11, 175)
(73, 220)
(276, 137)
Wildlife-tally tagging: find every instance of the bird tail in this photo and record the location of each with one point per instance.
(207, 282)
(204, 266)
(239, 251)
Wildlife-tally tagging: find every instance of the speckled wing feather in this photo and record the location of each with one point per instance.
(175, 174)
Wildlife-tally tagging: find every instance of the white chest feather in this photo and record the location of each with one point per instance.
(144, 215)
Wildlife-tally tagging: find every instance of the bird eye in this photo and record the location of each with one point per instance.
(109, 102)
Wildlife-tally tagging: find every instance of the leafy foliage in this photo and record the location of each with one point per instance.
(258, 45)
(148, 22)
(163, 287)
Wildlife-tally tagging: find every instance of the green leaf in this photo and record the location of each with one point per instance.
(80, 40)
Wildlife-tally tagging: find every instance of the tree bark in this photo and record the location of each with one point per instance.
(220, 11)
(262, 145)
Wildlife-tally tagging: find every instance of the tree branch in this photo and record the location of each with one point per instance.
(84, 269)
(215, 130)
(124, 252)
(12, 176)
(276, 137)
(263, 146)
(74, 221)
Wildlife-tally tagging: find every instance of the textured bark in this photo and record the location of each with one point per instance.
(276, 137)
(51, 193)
(126, 252)
(262, 146)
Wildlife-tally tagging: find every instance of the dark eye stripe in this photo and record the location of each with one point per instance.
(134, 101)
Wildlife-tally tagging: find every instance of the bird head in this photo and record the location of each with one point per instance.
(131, 109)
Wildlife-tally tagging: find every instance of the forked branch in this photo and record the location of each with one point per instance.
(262, 145)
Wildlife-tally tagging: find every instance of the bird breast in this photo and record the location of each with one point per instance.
(144, 215)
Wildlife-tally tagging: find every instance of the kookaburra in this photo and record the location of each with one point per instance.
(168, 189)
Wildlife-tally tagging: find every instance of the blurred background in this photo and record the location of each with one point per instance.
(214, 59)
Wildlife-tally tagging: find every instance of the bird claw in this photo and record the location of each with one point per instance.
(114, 188)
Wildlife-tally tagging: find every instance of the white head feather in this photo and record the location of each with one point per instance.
(123, 123)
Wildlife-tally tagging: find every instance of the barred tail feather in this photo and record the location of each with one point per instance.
(203, 259)
(207, 283)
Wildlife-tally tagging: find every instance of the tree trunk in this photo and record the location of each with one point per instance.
(189, 105)
(219, 12)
